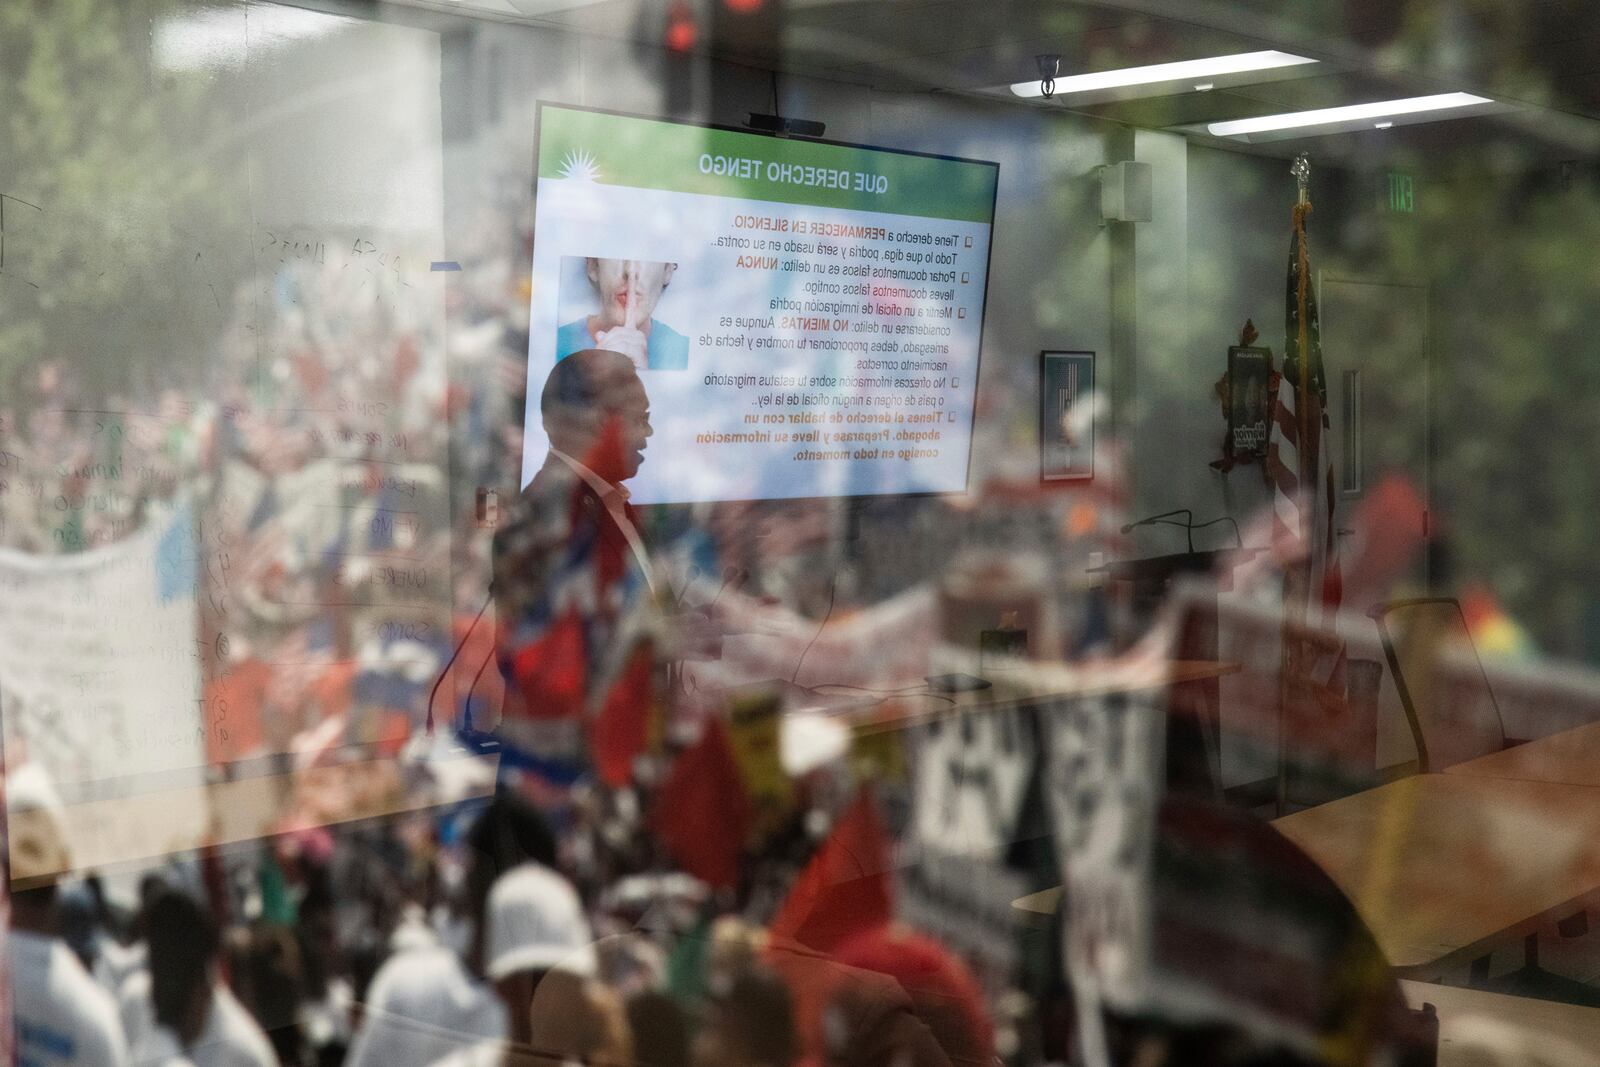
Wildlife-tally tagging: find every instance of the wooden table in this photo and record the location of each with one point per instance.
(1534, 1024)
(1440, 863)
(1571, 757)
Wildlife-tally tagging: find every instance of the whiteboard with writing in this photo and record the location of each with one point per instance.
(224, 520)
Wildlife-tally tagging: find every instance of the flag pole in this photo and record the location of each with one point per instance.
(1301, 170)
(1302, 175)
(1297, 579)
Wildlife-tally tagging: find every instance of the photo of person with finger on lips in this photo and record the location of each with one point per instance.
(628, 291)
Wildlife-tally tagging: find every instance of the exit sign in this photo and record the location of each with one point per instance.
(1402, 194)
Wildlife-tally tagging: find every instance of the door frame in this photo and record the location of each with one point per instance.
(1429, 343)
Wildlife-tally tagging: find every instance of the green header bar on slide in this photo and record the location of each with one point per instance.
(651, 154)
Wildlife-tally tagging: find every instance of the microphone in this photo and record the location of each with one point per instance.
(1238, 540)
(1165, 519)
(488, 596)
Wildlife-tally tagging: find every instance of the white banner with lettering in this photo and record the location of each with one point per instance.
(100, 660)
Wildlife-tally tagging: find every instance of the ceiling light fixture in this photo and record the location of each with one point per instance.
(1360, 114)
(1049, 67)
(1184, 72)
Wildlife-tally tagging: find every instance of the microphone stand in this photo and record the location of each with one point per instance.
(1165, 519)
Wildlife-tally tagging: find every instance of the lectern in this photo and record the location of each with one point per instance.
(1193, 728)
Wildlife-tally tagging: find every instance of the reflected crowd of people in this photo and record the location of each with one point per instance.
(647, 873)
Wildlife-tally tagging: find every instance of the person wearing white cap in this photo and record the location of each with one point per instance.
(536, 923)
(538, 947)
(428, 1001)
(63, 1017)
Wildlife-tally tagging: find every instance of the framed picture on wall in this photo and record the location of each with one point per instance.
(1249, 400)
(1066, 416)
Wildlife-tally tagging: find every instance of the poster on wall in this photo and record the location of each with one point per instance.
(1066, 416)
(741, 273)
(1249, 400)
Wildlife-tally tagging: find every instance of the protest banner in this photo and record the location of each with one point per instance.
(100, 670)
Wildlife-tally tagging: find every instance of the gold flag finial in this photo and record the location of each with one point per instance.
(1302, 174)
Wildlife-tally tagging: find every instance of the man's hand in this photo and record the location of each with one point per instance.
(628, 340)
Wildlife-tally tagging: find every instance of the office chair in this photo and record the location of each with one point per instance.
(1454, 727)
(1416, 634)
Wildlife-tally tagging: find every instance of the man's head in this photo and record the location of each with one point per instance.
(184, 943)
(629, 289)
(39, 849)
(574, 1019)
(509, 833)
(749, 1023)
(596, 410)
(39, 853)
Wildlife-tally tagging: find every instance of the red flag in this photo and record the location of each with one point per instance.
(237, 699)
(702, 812)
(845, 890)
(622, 729)
(549, 672)
(946, 995)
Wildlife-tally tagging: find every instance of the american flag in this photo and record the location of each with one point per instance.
(1302, 475)
(1301, 471)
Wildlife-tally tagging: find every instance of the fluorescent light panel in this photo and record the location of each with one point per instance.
(217, 38)
(1335, 116)
(1188, 70)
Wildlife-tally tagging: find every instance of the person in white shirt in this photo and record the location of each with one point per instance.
(179, 1009)
(426, 1002)
(229, 1037)
(63, 1018)
(422, 1004)
(116, 963)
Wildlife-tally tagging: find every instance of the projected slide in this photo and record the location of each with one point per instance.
(805, 316)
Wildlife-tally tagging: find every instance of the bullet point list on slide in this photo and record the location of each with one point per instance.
(820, 333)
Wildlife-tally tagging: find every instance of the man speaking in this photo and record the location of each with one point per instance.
(578, 620)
